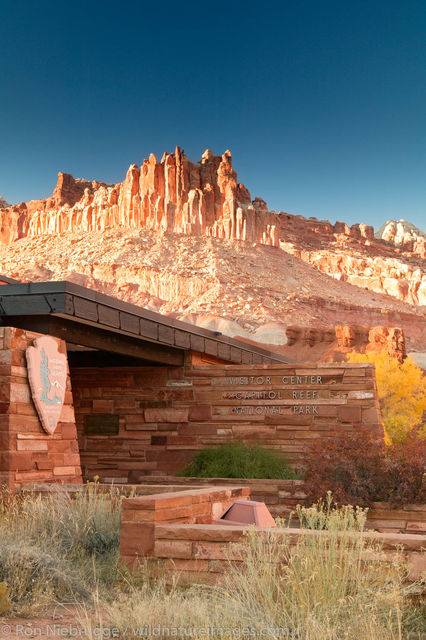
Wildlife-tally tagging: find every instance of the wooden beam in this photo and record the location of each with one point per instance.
(90, 336)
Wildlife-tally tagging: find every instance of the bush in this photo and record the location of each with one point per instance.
(401, 388)
(237, 460)
(359, 469)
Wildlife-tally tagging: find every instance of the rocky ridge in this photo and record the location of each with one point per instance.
(403, 234)
(186, 239)
(238, 288)
(176, 195)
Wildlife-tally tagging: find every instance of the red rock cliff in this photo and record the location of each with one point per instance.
(205, 199)
(175, 194)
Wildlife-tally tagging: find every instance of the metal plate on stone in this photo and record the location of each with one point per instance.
(101, 424)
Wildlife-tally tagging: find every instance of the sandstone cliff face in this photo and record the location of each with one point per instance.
(241, 289)
(333, 344)
(204, 199)
(3, 203)
(173, 195)
(354, 255)
(401, 233)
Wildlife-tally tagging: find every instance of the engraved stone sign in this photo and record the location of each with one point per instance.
(47, 374)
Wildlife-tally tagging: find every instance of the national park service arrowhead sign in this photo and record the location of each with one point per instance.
(47, 374)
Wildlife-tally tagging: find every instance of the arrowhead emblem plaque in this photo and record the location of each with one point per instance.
(47, 375)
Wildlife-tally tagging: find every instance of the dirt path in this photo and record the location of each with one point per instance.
(62, 621)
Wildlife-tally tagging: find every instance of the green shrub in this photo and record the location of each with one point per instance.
(237, 460)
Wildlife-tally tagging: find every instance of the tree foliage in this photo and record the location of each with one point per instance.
(401, 389)
(359, 469)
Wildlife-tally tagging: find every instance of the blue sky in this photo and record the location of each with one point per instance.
(322, 103)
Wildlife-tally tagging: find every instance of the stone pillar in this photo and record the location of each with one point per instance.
(27, 452)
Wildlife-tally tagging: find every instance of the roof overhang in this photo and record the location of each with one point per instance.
(82, 316)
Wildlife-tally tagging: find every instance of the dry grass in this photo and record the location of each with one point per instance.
(327, 586)
(56, 548)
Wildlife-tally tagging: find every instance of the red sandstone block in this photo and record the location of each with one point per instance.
(103, 406)
(136, 538)
(143, 380)
(216, 551)
(44, 465)
(140, 426)
(416, 566)
(24, 409)
(4, 390)
(124, 403)
(18, 361)
(197, 429)
(24, 424)
(60, 446)
(198, 533)
(136, 465)
(32, 445)
(19, 372)
(71, 459)
(7, 407)
(173, 549)
(18, 339)
(416, 527)
(20, 393)
(327, 410)
(137, 440)
(167, 457)
(7, 442)
(32, 476)
(144, 515)
(349, 413)
(180, 564)
(74, 446)
(166, 415)
(200, 412)
(369, 415)
(6, 358)
(67, 414)
(6, 478)
(68, 431)
(64, 471)
(179, 440)
(135, 418)
(20, 461)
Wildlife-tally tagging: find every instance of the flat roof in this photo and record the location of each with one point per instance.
(5, 280)
(85, 317)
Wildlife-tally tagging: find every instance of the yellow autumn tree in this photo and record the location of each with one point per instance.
(401, 388)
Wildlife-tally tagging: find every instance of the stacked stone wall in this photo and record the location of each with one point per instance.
(163, 416)
(172, 533)
(141, 515)
(27, 452)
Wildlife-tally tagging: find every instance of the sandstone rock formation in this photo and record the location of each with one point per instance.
(333, 344)
(254, 291)
(205, 199)
(354, 255)
(403, 234)
(3, 203)
(186, 239)
(173, 195)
